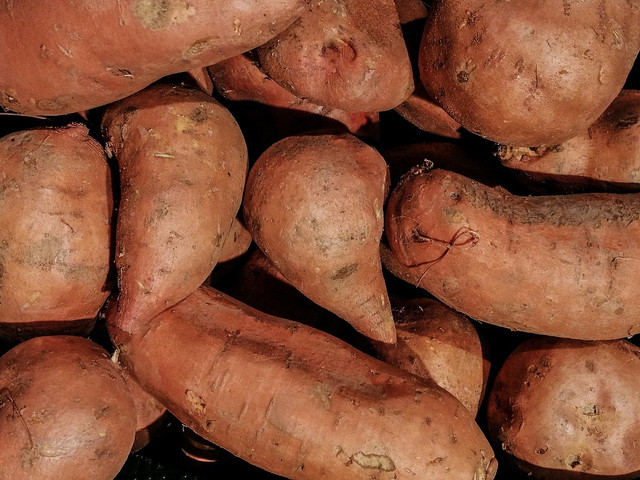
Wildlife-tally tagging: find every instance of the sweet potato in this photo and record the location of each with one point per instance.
(346, 54)
(517, 73)
(241, 79)
(437, 343)
(607, 151)
(568, 409)
(427, 115)
(55, 231)
(183, 164)
(314, 206)
(65, 411)
(150, 413)
(237, 242)
(80, 55)
(559, 265)
(298, 402)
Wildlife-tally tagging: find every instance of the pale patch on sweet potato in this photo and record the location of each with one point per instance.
(158, 15)
(373, 461)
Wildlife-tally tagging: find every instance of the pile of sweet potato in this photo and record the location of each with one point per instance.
(329, 238)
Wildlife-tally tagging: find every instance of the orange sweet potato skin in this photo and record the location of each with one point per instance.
(65, 411)
(565, 409)
(240, 78)
(55, 230)
(298, 402)
(183, 163)
(607, 151)
(314, 206)
(555, 265)
(340, 54)
(80, 55)
(438, 343)
(517, 72)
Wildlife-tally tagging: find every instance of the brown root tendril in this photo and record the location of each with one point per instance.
(463, 237)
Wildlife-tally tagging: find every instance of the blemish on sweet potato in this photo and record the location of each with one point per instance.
(345, 271)
(572, 461)
(199, 114)
(373, 461)
(101, 412)
(45, 253)
(120, 72)
(52, 104)
(463, 77)
(197, 402)
(322, 393)
(199, 46)
(626, 122)
(160, 14)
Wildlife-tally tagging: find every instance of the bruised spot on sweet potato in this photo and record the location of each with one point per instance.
(120, 72)
(158, 214)
(345, 271)
(627, 122)
(45, 253)
(52, 104)
(199, 114)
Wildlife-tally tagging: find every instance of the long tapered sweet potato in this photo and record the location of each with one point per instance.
(55, 231)
(517, 72)
(183, 164)
(80, 55)
(561, 265)
(314, 206)
(298, 402)
(65, 411)
(346, 54)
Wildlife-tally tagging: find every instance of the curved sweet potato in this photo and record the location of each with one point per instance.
(183, 164)
(240, 78)
(298, 402)
(517, 72)
(55, 231)
(66, 411)
(346, 54)
(557, 265)
(314, 206)
(568, 409)
(80, 55)
(607, 151)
